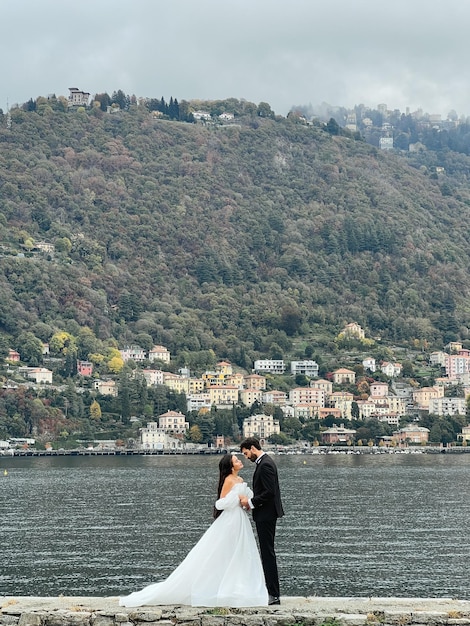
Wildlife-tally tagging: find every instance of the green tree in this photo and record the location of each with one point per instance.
(30, 348)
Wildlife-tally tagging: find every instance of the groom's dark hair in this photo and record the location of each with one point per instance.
(248, 442)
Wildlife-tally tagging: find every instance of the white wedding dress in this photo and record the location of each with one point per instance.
(223, 569)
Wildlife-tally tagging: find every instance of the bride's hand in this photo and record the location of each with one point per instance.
(244, 502)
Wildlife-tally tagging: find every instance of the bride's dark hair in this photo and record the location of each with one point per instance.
(225, 469)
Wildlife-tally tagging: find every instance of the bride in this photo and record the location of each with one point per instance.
(224, 567)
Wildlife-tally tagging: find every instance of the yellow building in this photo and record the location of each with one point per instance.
(223, 395)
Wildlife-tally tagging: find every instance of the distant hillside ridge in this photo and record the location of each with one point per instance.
(235, 237)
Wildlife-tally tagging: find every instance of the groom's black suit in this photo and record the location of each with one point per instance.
(267, 508)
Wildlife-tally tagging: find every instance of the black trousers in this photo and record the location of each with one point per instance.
(266, 534)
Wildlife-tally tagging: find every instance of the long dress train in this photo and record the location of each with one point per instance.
(223, 569)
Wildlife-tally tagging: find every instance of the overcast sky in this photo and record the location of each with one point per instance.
(405, 53)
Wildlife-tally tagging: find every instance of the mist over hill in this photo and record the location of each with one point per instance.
(237, 237)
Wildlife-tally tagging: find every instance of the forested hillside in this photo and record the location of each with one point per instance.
(235, 238)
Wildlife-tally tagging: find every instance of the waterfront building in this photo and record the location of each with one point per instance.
(152, 437)
(338, 434)
(411, 434)
(260, 426)
(465, 435)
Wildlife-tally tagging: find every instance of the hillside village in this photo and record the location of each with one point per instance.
(342, 397)
(284, 230)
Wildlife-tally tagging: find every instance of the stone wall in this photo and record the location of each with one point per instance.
(312, 611)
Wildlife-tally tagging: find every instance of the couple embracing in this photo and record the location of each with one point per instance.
(224, 568)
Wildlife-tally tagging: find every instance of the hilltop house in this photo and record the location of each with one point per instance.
(77, 97)
(354, 330)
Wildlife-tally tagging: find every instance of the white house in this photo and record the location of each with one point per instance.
(308, 368)
(369, 364)
(77, 97)
(447, 406)
(391, 369)
(273, 366)
(154, 438)
(153, 377)
(198, 401)
(133, 353)
(159, 353)
(40, 375)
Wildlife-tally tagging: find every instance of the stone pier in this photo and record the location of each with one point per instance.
(293, 611)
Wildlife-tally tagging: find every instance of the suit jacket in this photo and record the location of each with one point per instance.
(267, 495)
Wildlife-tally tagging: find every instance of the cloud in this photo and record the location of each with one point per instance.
(345, 52)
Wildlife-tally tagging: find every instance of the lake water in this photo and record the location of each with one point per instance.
(355, 525)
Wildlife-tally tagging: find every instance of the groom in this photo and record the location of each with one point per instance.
(267, 507)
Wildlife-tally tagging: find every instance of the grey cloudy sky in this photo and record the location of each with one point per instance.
(405, 53)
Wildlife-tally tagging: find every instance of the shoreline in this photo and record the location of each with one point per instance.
(313, 451)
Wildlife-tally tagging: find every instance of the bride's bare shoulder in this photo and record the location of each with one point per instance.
(229, 484)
